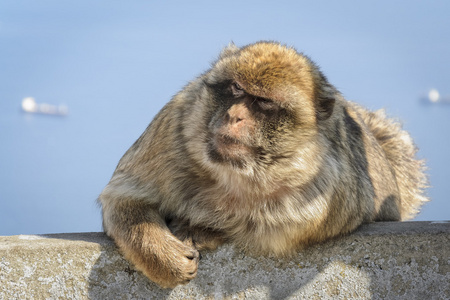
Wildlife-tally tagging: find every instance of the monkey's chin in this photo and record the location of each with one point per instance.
(225, 149)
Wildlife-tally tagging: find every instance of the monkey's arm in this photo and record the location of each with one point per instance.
(201, 238)
(144, 239)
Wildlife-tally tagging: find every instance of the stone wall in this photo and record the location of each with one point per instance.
(409, 260)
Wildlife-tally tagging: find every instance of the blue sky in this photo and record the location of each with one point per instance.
(115, 64)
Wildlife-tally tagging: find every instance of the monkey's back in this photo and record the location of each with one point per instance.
(400, 151)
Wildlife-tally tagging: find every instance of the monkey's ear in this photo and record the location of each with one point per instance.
(324, 107)
(229, 50)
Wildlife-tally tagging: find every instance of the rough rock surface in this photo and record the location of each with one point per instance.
(409, 260)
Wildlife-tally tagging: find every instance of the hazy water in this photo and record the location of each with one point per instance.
(115, 65)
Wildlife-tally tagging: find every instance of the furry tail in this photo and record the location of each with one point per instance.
(401, 152)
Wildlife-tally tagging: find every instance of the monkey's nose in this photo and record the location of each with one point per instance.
(236, 113)
(232, 119)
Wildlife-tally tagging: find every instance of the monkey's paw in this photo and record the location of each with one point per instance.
(169, 263)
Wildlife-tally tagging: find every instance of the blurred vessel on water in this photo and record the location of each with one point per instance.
(29, 105)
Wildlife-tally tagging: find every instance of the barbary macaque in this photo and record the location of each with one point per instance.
(262, 152)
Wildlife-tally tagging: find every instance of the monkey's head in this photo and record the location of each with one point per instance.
(262, 106)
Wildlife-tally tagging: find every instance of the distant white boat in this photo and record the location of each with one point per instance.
(29, 105)
(434, 97)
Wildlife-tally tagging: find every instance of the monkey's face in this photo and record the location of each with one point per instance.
(243, 127)
(261, 107)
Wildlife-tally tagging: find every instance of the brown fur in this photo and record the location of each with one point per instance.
(260, 151)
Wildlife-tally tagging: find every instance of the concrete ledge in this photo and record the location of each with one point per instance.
(408, 260)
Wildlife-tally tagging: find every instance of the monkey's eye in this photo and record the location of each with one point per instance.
(237, 90)
(266, 104)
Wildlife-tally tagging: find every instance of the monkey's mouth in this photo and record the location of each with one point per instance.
(224, 148)
(227, 140)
